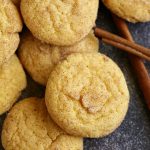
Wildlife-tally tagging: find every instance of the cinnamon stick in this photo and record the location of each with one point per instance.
(137, 64)
(125, 48)
(107, 35)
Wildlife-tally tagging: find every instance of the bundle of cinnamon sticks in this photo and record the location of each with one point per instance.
(123, 44)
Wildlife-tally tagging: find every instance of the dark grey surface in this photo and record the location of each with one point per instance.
(134, 133)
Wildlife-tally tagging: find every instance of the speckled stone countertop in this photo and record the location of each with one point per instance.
(134, 132)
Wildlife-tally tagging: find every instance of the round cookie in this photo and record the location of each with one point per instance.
(10, 19)
(12, 82)
(10, 25)
(130, 10)
(62, 22)
(90, 92)
(39, 58)
(29, 126)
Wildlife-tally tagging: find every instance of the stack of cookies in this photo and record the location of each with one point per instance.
(12, 76)
(86, 92)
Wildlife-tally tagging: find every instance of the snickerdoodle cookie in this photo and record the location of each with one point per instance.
(10, 25)
(131, 10)
(87, 95)
(12, 82)
(28, 126)
(40, 58)
(62, 22)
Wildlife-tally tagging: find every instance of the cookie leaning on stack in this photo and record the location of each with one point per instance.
(28, 126)
(10, 25)
(60, 22)
(40, 58)
(87, 95)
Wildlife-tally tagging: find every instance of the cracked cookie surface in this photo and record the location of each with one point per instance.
(10, 25)
(39, 58)
(12, 82)
(28, 126)
(90, 92)
(130, 10)
(59, 22)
